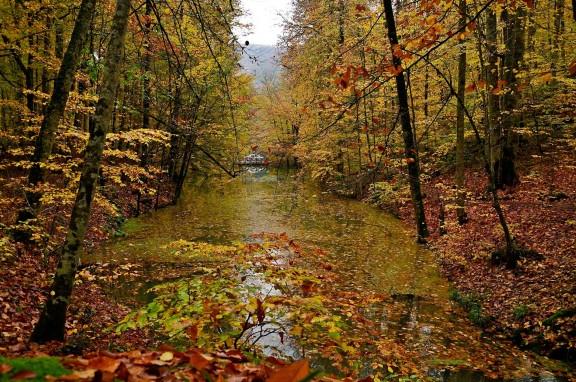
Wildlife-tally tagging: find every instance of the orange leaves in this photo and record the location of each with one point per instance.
(394, 70)
(401, 53)
(4, 368)
(23, 375)
(500, 87)
(546, 77)
(296, 372)
(105, 364)
(349, 76)
(260, 311)
(198, 360)
(343, 79)
(572, 70)
(192, 332)
(471, 88)
(189, 365)
(530, 3)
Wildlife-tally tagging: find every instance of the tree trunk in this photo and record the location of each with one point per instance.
(57, 106)
(29, 74)
(460, 198)
(409, 144)
(146, 96)
(514, 41)
(47, 52)
(341, 22)
(52, 321)
(557, 49)
(493, 134)
(175, 131)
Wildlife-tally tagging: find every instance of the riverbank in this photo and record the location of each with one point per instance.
(367, 263)
(535, 305)
(26, 272)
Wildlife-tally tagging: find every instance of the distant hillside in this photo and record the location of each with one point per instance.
(261, 62)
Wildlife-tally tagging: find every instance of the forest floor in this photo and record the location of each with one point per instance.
(535, 304)
(26, 272)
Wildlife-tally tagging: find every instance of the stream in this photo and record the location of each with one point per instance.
(374, 251)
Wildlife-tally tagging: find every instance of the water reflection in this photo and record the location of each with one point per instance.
(371, 250)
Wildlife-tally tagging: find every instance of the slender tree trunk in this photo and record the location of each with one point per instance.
(493, 135)
(188, 149)
(57, 106)
(531, 28)
(426, 103)
(341, 22)
(53, 319)
(29, 75)
(47, 52)
(557, 49)
(174, 131)
(461, 194)
(146, 96)
(59, 39)
(409, 144)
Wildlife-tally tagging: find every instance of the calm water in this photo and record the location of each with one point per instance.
(372, 250)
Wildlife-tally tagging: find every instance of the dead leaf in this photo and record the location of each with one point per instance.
(24, 374)
(295, 372)
(167, 356)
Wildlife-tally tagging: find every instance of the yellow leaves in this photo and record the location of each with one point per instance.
(297, 331)
(167, 356)
(121, 155)
(430, 20)
(545, 77)
(141, 136)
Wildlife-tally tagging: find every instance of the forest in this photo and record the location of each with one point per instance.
(388, 194)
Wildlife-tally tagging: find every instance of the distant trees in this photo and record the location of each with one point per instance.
(56, 107)
(459, 63)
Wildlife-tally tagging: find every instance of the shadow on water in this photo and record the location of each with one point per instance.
(370, 249)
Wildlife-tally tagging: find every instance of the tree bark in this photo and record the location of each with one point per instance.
(175, 133)
(52, 321)
(29, 74)
(146, 96)
(460, 197)
(57, 106)
(557, 49)
(47, 51)
(409, 143)
(493, 134)
(514, 42)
